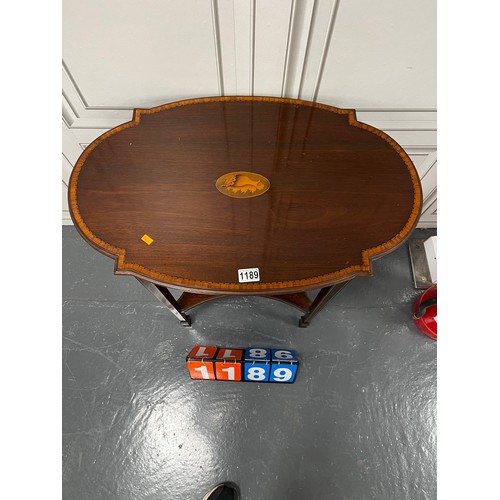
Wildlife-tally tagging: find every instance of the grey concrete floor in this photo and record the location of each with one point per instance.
(358, 423)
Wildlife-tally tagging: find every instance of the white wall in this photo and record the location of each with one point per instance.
(378, 57)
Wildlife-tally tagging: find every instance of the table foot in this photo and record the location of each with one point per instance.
(303, 323)
(187, 321)
(323, 297)
(168, 300)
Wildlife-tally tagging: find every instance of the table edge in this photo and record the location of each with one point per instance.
(367, 255)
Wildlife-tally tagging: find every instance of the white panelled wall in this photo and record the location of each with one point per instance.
(378, 58)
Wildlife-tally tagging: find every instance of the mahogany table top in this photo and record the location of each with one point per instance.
(188, 193)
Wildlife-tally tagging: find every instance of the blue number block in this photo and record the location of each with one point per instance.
(286, 355)
(256, 372)
(259, 354)
(283, 372)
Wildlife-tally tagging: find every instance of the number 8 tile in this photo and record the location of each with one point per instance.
(256, 372)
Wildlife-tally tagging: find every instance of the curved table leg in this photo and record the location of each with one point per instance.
(323, 297)
(167, 299)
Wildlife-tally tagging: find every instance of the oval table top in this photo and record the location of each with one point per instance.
(189, 193)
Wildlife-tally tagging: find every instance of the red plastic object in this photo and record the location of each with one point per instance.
(425, 312)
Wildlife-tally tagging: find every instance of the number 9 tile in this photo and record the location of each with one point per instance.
(283, 372)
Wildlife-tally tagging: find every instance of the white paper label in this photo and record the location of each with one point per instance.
(248, 275)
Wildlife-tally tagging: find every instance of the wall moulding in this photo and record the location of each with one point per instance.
(284, 48)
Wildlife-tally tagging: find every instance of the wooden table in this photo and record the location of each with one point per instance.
(194, 194)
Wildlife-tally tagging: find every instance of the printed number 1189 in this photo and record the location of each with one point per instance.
(247, 275)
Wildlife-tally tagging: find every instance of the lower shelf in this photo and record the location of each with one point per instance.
(189, 300)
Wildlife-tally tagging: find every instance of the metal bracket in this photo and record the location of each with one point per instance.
(421, 273)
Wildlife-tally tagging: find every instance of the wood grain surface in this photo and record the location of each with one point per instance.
(341, 194)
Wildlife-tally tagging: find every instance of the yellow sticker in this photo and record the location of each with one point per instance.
(147, 239)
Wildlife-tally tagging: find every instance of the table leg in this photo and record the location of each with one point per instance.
(323, 297)
(167, 299)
